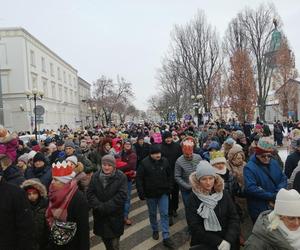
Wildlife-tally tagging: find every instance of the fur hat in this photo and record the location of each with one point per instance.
(204, 168)
(109, 159)
(287, 203)
(264, 145)
(36, 184)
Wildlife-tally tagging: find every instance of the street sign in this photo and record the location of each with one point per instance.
(40, 119)
(39, 110)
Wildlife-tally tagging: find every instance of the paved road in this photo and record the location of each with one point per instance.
(139, 235)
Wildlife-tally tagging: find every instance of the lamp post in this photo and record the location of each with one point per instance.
(34, 95)
(196, 105)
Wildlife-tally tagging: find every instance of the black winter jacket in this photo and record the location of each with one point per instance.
(13, 175)
(108, 204)
(291, 163)
(154, 178)
(78, 211)
(16, 230)
(141, 151)
(172, 152)
(228, 219)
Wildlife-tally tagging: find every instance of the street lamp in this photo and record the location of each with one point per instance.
(196, 105)
(34, 95)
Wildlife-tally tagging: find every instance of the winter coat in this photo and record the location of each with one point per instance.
(78, 211)
(296, 183)
(16, 230)
(225, 212)
(13, 175)
(43, 174)
(153, 178)
(41, 230)
(141, 151)
(129, 158)
(172, 152)
(291, 163)
(263, 238)
(183, 169)
(259, 187)
(108, 204)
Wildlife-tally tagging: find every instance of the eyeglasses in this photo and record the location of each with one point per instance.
(266, 156)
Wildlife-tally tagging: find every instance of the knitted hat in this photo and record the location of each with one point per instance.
(234, 150)
(62, 172)
(69, 144)
(60, 143)
(213, 145)
(109, 159)
(167, 134)
(264, 145)
(239, 134)
(155, 148)
(218, 157)
(72, 159)
(229, 141)
(287, 203)
(204, 168)
(39, 157)
(23, 158)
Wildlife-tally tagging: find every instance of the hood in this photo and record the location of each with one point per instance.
(218, 186)
(36, 184)
(273, 237)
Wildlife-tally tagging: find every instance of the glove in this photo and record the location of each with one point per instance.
(225, 245)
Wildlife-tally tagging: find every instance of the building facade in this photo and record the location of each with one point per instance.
(27, 64)
(85, 111)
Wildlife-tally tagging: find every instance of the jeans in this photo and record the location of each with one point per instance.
(163, 206)
(127, 203)
(112, 244)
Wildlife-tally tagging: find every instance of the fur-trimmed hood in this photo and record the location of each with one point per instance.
(218, 186)
(34, 182)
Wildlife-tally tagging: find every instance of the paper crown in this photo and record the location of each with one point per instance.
(61, 169)
(188, 147)
(216, 154)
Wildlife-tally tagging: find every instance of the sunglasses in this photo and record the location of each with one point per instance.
(266, 156)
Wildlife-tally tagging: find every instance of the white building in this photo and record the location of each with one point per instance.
(27, 64)
(84, 94)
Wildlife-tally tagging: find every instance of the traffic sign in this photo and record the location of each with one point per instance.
(39, 110)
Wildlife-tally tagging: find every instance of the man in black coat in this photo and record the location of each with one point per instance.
(16, 231)
(106, 195)
(172, 151)
(142, 150)
(154, 183)
(292, 160)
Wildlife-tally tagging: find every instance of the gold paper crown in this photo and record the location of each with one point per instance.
(216, 154)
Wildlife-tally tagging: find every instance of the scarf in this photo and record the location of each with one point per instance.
(292, 237)
(206, 210)
(104, 178)
(59, 200)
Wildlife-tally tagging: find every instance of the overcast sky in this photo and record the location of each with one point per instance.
(126, 37)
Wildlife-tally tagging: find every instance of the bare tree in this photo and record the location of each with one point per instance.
(196, 51)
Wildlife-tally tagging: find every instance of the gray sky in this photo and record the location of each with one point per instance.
(126, 37)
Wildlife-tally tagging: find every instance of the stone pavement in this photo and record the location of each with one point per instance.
(139, 234)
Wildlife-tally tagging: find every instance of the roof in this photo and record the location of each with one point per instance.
(37, 40)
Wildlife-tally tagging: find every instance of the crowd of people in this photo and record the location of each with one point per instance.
(226, 174)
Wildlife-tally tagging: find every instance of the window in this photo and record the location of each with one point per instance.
(43, 64)
(60, 92)
(34, 81)
(51, 69)
(66, 95)
(65, 80)
(53, 90)
(32, 58)
(74, 82)
(45, 87)
(58, 73)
